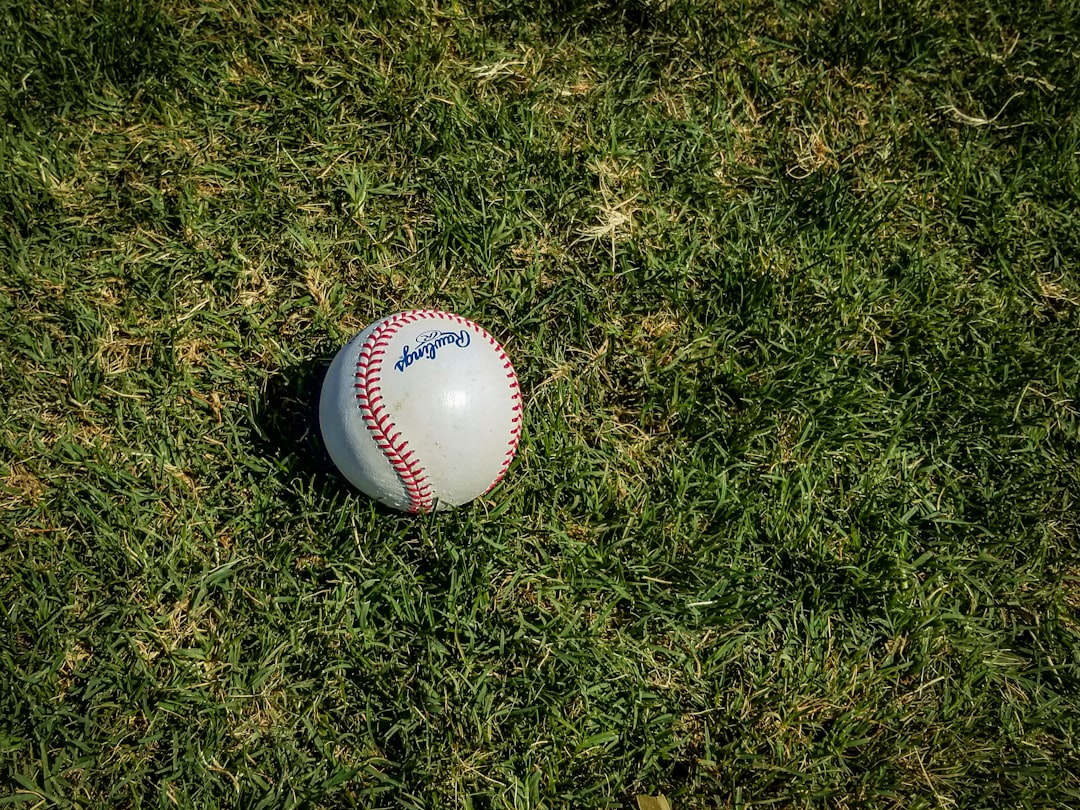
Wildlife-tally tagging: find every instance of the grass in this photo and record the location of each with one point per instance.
(792, 290)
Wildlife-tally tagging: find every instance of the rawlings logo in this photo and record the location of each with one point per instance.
(428, 344)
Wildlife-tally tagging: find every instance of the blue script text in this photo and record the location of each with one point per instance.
(428, 345)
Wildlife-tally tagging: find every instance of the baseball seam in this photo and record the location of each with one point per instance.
(515, 423)
(377, 418)
(379, 423)
(515, 395)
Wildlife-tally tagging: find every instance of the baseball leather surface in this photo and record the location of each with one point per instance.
(422, 411)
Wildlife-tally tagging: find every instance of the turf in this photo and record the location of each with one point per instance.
(792, 290)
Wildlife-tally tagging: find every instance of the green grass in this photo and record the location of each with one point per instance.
(793, 293)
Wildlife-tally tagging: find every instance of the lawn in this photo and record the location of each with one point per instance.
(792, 291)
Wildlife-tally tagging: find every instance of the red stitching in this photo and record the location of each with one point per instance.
(515, 393)
(369, 398)
(384, 431)
(515, 423)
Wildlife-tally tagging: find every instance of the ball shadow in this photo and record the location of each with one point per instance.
(286, 419)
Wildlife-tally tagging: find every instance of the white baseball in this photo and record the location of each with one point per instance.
(422, 411)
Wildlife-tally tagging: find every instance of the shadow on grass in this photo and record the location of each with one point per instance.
(286, 418)
(287, 434)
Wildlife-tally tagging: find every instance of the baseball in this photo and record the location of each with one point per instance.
(422, 411)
